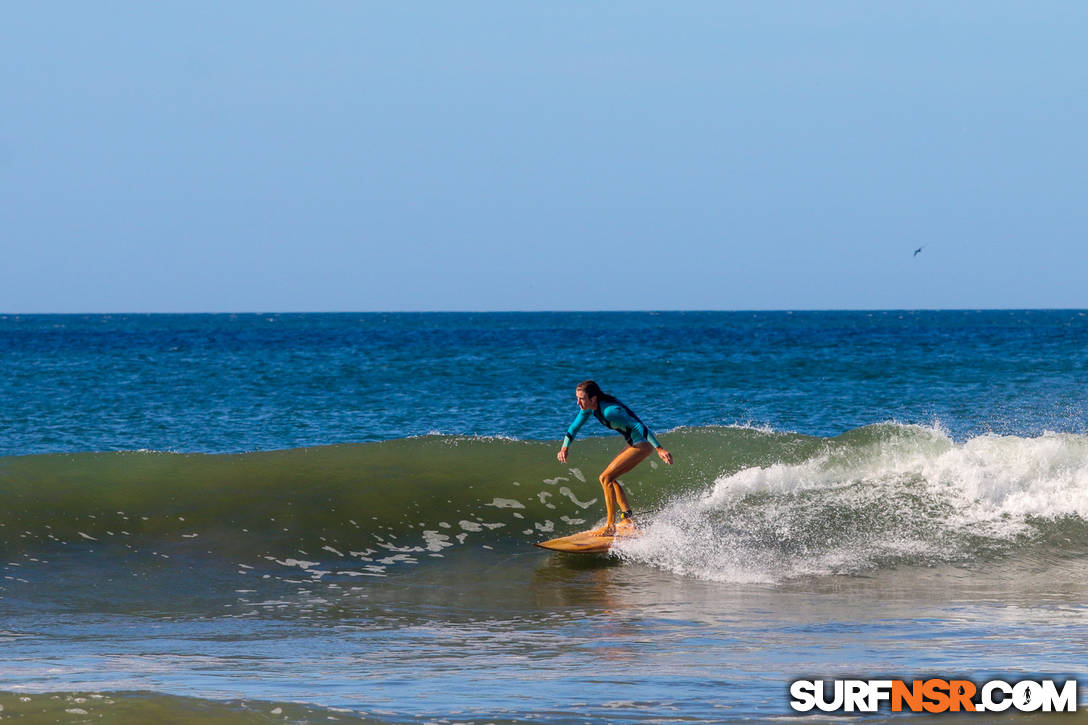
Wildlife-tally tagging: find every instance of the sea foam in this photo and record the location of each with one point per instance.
(887, 495)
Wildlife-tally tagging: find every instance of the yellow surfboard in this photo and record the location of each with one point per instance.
(584, 542)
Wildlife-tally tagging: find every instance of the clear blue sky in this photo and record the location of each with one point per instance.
(278, 156)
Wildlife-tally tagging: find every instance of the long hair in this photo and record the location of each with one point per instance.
(592, 390)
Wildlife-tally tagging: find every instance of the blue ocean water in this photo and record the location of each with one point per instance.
(260, 518)
(231, 383)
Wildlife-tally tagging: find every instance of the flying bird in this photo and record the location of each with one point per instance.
(919, 249)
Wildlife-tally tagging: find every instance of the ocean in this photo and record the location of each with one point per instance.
(304, 518)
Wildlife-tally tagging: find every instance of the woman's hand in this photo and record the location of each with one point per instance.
(562, 456)
(664, 455)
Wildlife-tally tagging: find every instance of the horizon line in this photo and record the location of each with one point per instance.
(554, 311)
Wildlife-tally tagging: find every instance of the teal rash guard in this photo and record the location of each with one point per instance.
(617, 416)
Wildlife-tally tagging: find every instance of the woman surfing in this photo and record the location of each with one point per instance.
(640, 444)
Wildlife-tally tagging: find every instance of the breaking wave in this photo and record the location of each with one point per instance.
(741, 504)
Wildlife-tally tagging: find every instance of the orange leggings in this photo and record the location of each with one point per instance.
(625, 462)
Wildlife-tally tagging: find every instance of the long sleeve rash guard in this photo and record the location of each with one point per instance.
(617, 416)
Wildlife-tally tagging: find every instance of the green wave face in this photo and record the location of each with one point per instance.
(410, 497)
(140, 708)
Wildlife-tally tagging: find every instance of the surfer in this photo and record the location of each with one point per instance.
(640, 444)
